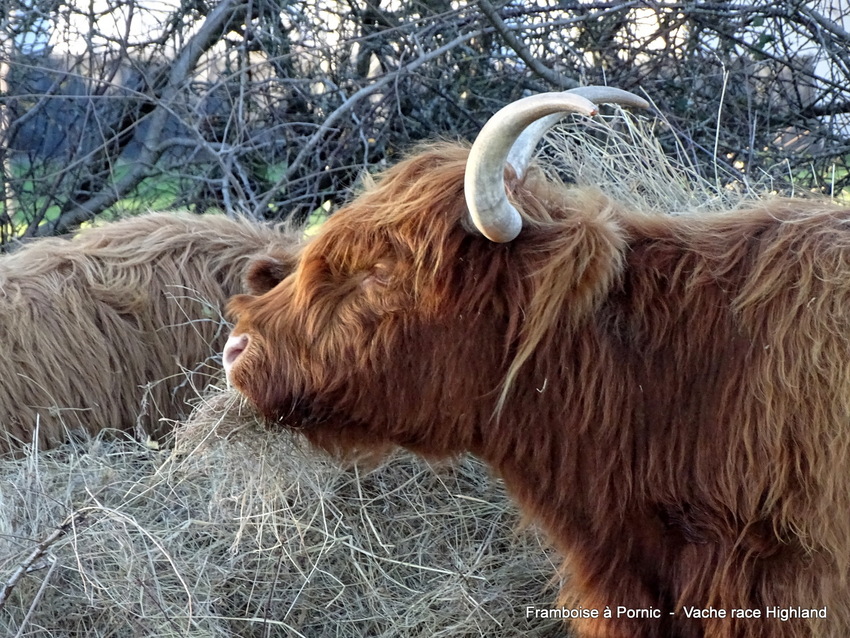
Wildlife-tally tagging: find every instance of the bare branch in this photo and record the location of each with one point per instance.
(224, 13)
(557, 79)
(357, 97)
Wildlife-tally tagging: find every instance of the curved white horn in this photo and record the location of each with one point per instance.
(522, 152)
(511, 136)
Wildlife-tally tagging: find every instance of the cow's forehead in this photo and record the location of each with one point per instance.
(358, 245)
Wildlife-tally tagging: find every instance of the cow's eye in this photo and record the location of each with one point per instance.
(379, 276)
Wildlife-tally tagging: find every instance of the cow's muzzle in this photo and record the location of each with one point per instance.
(233, 349)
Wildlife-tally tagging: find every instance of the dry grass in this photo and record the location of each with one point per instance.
(238, 531)
(621, 154)
(245, 533)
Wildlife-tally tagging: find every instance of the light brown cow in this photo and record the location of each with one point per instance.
(118, 326)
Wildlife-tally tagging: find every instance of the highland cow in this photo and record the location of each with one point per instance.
(669, 396)
(118, 326)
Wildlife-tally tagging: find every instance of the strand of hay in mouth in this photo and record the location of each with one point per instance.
(247, 533)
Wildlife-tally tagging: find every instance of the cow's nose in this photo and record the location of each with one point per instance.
(235, 346)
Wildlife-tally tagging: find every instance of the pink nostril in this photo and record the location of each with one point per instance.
(235, 346)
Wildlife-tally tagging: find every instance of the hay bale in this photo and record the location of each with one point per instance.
(251, 534)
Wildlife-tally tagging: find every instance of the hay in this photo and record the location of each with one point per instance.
(252, 535)
(621, 154)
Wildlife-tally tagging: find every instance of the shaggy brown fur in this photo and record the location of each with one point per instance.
(668, 396)
(118, 321)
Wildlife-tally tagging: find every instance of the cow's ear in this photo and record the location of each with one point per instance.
(264, 273)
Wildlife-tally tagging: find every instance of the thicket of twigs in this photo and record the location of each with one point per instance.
(273, 108)
(235, 531)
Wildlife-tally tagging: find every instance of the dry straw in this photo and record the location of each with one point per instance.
(620, 153)
(238, 532)
(243, 532)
